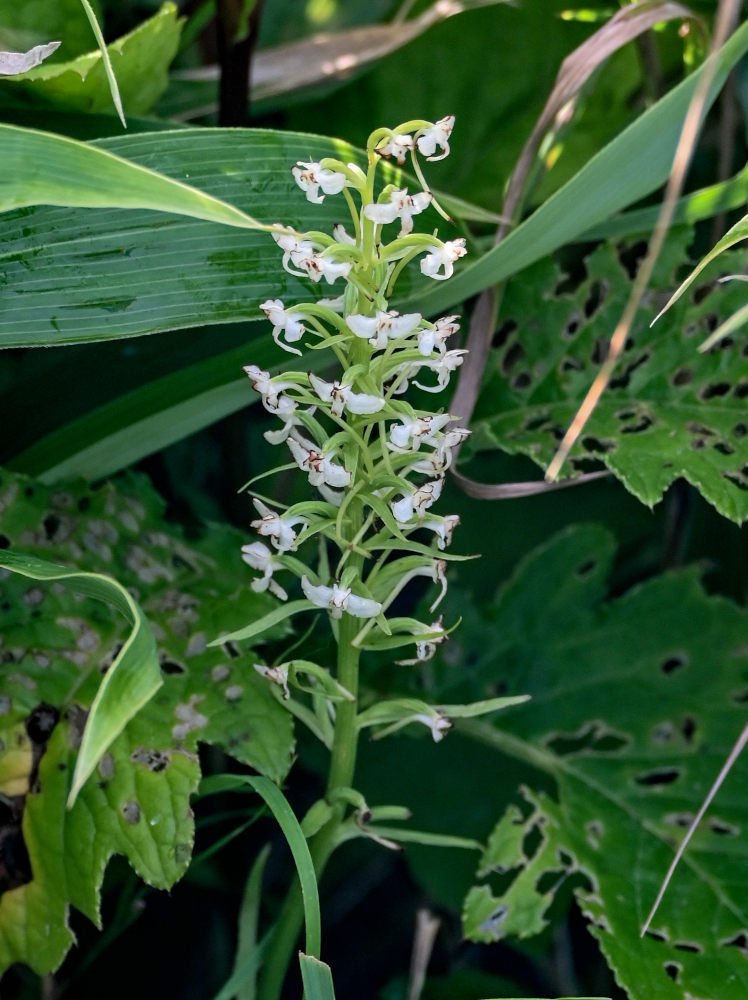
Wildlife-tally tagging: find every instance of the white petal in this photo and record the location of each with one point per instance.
(382, 214)
(321, 595)
(322, 389)
(402, 510)
(362, 326)
(335, 475)
(362, 607)
(257, 555)
(360, 402)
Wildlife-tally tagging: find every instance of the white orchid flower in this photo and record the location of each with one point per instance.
(286, 411)
(343, 397)
(341, 235)
(279, 529)
(284, 321)
(437, 135)
(268, 388)
(443, 528)
(398, 146)
(440, 459)
(276, 675)
(439, 262)
(312, 176)
(416, 503)
(339, 599)
(301, 257)
(386, 325)
(429, 340)
(444, 367)
(409, 434)
(318, 266)
(294, 250)
(401, 206)
(320, 467)
(438, 724)
(425, 649)
(259, 557)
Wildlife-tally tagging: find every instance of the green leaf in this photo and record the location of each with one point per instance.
(265, 623)
(26, 24)
(403, 711)
(106, 61)
(630, 167)
(139, 61)
(288, 823)
(668, 411)
(736, 234)
(249, 914)
(131, 680)
(317, 978)
(55, 644)
(40, 168)
(217, 275)
(633, 745)
(694, 207)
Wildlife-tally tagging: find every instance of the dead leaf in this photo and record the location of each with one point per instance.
(12, 63)
(334, 56)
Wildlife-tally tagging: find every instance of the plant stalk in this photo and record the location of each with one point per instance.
(342, 768)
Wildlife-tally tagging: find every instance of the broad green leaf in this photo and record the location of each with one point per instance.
(152, 416)
(130, 681)
(630, 167)
(40, 168)
(620, 719)
(139, 61)
(128, 278)
(140, 272)
(668, 412)
(55, 645)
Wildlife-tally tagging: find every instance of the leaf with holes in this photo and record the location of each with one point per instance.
(635, 704)
(55, 646)
(668, 411)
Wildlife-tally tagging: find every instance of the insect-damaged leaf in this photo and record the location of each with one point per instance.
(635, 704)
(55, 646)
(668, 411)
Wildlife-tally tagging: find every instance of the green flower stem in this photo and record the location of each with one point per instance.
(342, 768)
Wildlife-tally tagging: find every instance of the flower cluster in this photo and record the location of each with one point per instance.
(375, 463)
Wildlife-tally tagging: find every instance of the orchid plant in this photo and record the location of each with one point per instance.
(376, 466)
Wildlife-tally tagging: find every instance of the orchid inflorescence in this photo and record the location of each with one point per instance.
(376, 463)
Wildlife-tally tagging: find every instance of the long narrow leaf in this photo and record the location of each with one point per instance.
(265, 623)
(130, 681)
(40, 168)
(734, 235)
(71, 275)
(633, 165)
(107, 62)
(317, 979)
(288, 823)
(248, 921)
